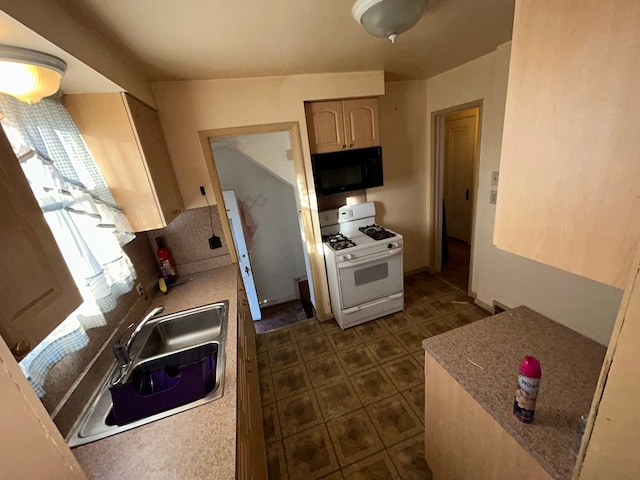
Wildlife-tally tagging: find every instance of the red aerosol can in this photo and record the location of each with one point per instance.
(527, 392)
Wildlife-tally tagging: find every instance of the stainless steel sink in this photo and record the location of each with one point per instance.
(163, 340)
(176, 332)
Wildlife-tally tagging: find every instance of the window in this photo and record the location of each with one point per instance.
(88, 227)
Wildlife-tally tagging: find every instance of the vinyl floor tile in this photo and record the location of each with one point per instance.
(357, 359)
(298, 413)
(450, 303)
(386, 348)
(285, 357)
(408, 457)
(394, 419)
(373, 385)
(276, 463)
(315, 347)
(397, 321)
(376, 467)
(415, 398)
(344, 339)
(337, 399)
(325, 370)
(310, 454)
(404, 372)
(271, 423)
(411, 338)
(290, 381)
(354, 437)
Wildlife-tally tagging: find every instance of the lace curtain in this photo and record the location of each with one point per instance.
(77, 204)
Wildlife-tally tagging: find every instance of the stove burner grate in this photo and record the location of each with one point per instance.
(376, 232)
(338, 241)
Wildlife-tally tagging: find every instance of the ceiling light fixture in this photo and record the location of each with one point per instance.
(29, 75)
(388, 18)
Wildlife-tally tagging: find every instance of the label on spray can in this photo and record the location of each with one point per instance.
(527, 392)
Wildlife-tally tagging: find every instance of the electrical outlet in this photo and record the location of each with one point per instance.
(139, 289)
(493, 197)
(494, 178)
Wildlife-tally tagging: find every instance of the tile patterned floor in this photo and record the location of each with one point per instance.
(350, 404)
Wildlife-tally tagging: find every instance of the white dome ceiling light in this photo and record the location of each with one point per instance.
(388, 18)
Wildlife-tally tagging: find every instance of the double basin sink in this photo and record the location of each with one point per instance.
(176, 358)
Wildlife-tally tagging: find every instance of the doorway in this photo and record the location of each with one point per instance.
(457, 138)
(258, 181)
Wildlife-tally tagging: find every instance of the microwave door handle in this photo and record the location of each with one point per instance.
(355, 263)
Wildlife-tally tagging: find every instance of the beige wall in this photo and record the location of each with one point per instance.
(188, 107)
(401, 204)
(583, 305)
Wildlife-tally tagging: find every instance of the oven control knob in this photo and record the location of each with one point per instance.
(391, 245)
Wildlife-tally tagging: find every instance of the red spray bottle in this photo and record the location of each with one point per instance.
(166, 265)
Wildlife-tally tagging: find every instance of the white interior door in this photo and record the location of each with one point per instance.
(459, 155)
(233, 213)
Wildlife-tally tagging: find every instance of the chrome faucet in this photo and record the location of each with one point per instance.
(122, 351)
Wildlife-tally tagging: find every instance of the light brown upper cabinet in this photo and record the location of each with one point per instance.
(126, 141)
(569, 172)
(37, 291)
(342, 124)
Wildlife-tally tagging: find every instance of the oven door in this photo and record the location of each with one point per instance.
(371, 277)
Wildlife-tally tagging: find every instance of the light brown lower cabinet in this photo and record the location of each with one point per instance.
(462, 441)
(251, 457)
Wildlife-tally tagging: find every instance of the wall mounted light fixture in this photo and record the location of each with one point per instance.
(29, 75)
(388, 18)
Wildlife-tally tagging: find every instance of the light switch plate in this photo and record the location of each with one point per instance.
(494, 178)
(493, 197)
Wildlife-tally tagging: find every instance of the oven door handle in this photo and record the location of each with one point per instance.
(373, 303)
(375, 258)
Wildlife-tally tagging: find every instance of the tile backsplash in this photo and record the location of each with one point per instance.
(187, 239)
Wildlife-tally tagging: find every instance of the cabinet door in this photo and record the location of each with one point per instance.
(569, 194)
(361, 122)
(325, 124)
(37, 291)
(148, 131)
(30, 446)
(126, 141)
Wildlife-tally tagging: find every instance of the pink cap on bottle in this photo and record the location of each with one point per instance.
(530, 367)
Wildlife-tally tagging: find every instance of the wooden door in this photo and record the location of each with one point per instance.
(325, 125)
(361, 122)
(459, 158)
(37, 291)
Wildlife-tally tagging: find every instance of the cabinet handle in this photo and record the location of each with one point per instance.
(177, 211)
(21, 348)
(343, 146)
(248, 370)
(350, 145)
(248, 358)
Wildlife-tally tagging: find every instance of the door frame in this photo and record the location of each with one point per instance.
(293, 128)
(437, 181)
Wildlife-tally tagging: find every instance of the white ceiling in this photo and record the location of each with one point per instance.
(200, 39)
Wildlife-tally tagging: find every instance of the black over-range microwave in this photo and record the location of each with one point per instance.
(347, 170)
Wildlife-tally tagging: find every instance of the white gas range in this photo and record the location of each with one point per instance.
(364, 265)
